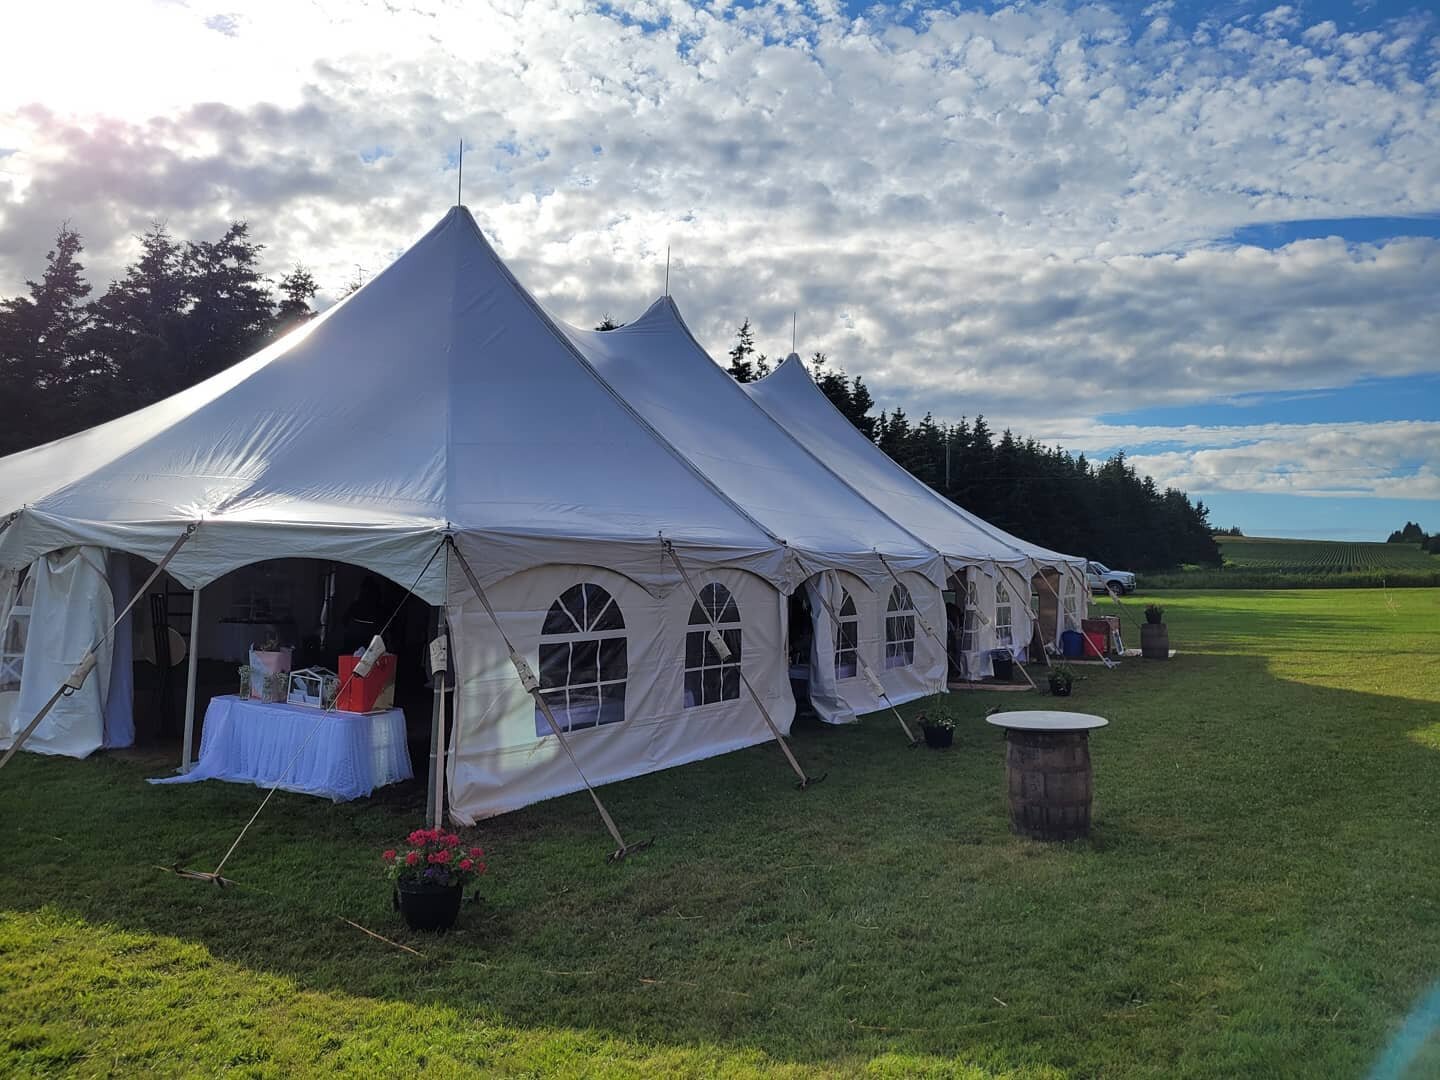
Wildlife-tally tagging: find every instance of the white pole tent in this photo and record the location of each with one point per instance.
(440, 401)
(997, 572)
(886, 580)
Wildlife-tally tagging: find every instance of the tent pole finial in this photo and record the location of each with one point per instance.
(667, 269)
(460, 176)
(794, 323)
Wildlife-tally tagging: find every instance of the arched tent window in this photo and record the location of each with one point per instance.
(1072, 602)
(900, 628)
(707, 677)
(583, 666)
(1004, 615)
(971, 624)
(847, 639)
(15, 630)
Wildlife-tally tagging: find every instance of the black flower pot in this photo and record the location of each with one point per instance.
(428, 907)
(937, 738)
(1060, 689)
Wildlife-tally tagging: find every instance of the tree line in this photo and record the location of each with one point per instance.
(185, 310)
(1412, 533)
(181, 312)
(1105, 510)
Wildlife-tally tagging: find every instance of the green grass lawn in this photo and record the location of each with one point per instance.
(1261, 896)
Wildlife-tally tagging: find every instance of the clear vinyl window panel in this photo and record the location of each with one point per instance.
(583, 662)
(1004, 615)
(15, 632)
(970, 623)
(708, 678)
(847, 639)
(900, 628)
(1072, 603)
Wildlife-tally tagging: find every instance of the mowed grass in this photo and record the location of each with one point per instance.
(1261, 896)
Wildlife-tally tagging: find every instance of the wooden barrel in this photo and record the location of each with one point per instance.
(1051, 783)
(1154, 641)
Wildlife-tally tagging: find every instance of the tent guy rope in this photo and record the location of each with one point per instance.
(717, 642)
(87, 662)
(532, 686)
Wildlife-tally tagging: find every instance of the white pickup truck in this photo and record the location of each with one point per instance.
(1102, 579)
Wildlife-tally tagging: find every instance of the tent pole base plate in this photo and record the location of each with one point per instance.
(811, 781)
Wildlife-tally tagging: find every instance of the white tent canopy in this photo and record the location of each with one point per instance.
(792, 399)
(656, 364)
(789, 395)
(438, 397)
(659, 368)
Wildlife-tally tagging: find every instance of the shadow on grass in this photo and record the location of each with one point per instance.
(1256, 898)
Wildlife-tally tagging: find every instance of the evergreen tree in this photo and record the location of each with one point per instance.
(742, 368)
(230, 307)
(42, 348)
(608, 323)
(297, 289)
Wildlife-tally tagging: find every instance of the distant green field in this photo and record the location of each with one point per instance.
(1273, 562)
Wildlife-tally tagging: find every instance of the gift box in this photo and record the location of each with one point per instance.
(265, 663)
(314, 686)
(374, 692)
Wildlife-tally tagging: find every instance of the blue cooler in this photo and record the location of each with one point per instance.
(1072, 643)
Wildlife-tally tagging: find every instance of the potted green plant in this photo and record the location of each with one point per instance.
(1062, 679)
(1154, 636)
(430, 874)
(939, 731)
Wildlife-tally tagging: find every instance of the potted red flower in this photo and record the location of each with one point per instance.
(430, 875)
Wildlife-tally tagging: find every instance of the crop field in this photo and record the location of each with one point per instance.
(1322, 556)
(1271, 562)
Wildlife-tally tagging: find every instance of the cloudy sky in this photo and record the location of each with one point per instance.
(1206, 233)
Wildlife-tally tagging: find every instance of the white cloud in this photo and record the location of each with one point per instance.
(1391, 459)
(986, 211)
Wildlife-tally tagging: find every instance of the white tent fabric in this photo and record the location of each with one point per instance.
(792, 399)
(665, 375)
(71, 610)
(656, 364)
(439, 400)
(439, 395)
(500, 760)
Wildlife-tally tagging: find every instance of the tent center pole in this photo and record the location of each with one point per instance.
(434, 798)
(191, 672)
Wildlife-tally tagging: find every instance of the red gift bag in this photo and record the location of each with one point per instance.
(367, 693)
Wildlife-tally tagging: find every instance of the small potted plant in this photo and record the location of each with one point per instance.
(939, 731)
(430, 874)
(1154, 636)
(1062, 678)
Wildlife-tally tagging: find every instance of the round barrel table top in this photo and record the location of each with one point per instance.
(1045, 720)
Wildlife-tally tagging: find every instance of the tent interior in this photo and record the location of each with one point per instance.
(318, 609)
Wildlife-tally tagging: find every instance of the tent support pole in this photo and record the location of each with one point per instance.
(191, 672)
(435, 799)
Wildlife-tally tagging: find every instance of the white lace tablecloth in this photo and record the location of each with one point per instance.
(253, 742)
